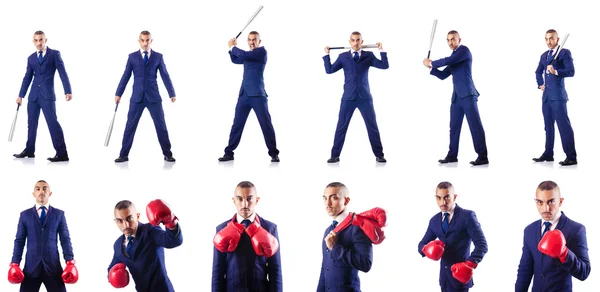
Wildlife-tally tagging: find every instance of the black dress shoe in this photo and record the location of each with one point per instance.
(381, 159)
(275, 158)
(169, 159)
(226, 158)
(447, 160)
(543, 158)
(333, 159)
(568, 162)
(24, 155)
(58, 158)
(122, 159)
(480, 161)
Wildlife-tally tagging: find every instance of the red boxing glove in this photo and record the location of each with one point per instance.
(228, 238)
(70, 275)
(463, 272)
(377, 214)
(370, 227)
(434, 249)
(15, 275)
(263, 242)
(118, 276)
(159, 212)
(554, 244)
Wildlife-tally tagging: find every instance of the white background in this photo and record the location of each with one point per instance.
(506, 40)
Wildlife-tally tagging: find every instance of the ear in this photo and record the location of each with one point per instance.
(361, 41)
(455, 195)
(346, 201)
(138, 216)
(560, 202)
(257, 199)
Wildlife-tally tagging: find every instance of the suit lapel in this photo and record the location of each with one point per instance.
(561, 222)
(138, 236)
(538, 232)
(35, 217)
(455, 217)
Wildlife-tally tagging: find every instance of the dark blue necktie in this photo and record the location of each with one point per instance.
(40, 58)
(145, 57)
(334, 223)
(246, 222)
(547, 224)
(355, 56)
(43, 214)
(549, 55)
(129, 245)
(445, 222)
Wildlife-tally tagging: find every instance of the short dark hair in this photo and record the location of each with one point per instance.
(551, 31)
(355, 33)
(453, 32)
(245, 185)
(122, 205)
(255, 32)
(336, 185)
(444, 185)
(39, 32)
(145, 32)
(547, 186)
(41, 181)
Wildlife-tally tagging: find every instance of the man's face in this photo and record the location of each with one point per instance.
(41, 193)
(453, 41)
(39, 40)
(253, 41)
(145, 41)
(356, 42)
(548, 203)
(127, 220)
(551, 40)
(335, 201)
(245, 200)
(445, 198)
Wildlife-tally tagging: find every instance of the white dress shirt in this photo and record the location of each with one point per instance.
(126, 241)
(450, 214)
(552, 225)
(39, 209)
(339, 218)
(149, 52)
(240, 218)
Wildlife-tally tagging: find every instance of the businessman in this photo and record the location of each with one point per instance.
(144, 64)
(252, 96)
(246, 254)
(464, 98)
(449, 236)
(554, 98)
(41, 67)
(141, 247)
(554, 248)
(344, 253)
(357, 93)
(41, 226)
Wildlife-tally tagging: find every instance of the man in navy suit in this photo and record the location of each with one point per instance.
(346, 253)
(357, 93)
(464, 98)
(252, 96)
(554, 98)
(141, 247)
(41, 67)
(239, 267)
(449, 236)
(554, 248)
(40, 227)
(144, 64)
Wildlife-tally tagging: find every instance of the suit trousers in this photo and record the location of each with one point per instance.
(460, 108)
(347, 107)
(260, 105)
(48, 107)
(158, 116)
(53, 283)
(556, 111)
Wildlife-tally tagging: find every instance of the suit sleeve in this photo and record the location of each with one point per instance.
(569, 68)
(460, 55)
(125, 77)
(254, 55)
(26, 80)
(358, 256)
(19, 241)
(115, 260)
(164, 74)
(167, 238)
(219, 270)
(381, 64)
(65, 239)
(578, 261)
(428, 237)
(274, 267)
(62, 72)
(539, 73)
(525, 271)
(441, 74)
(235, 59)
(476, 234)
(329, 68)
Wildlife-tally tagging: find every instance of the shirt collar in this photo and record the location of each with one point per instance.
(149, 52)
(37, 207)
(450, 212)
(43, 51)
(339, 218)
(240, 218)
(353, 51)
(554, 222)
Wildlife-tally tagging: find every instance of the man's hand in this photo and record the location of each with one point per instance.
(327, 50)
(232, 42)
(542, 87)
(551, 69)
(427, 62)
(380, 46)
(330, 240)
(68, 97)
(19, 100)
(117, 99)
(173, 99)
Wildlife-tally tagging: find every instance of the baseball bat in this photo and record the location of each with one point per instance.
(250, 21)
(560, 47)
(347, 48)
(110, 127)
(431, 37)
(14, 123)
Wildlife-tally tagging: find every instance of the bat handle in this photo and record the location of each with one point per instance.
(428, 54)
(238, 35)
(335, 48)
(116, 107)
(18, 106)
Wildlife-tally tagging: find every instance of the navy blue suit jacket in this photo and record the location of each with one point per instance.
(356, 74)
(146, 263)
(243, 270)
(42, 242)
(253, 84)
(352, 252)
(145, 76)
(463, 229)
(43, 76)
(555, 85)
(549, 274)
(459, 66)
